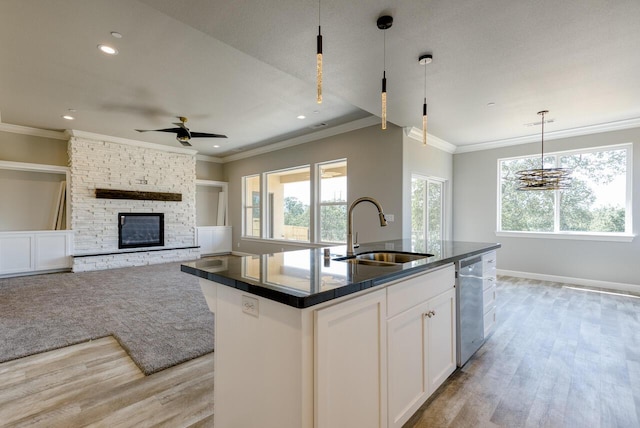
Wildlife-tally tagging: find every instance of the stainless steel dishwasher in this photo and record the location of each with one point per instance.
(469, 310)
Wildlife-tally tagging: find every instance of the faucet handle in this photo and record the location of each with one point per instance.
(355, 242)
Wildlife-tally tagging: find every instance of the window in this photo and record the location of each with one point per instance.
(289, 204)
(251, 209)
(286, 208)
(598, 202)
(333, 201)
(427, 202)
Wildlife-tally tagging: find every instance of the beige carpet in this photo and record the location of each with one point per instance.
(157, 313)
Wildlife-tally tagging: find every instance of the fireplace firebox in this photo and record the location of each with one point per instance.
(137, 230)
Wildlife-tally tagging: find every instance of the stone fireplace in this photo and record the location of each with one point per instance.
(136, 168)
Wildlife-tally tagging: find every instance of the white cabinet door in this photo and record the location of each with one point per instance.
(214, 239)
(16, 253)
(53, 251)
(407, 364)
(350, 363)
(441, 342)
(421, 354)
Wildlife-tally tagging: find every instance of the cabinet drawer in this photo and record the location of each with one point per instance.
(410, 292)
(489, 261)
(489, 298)
(488, 281)
(489, 321)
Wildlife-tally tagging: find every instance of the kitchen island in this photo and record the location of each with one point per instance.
(305, 340)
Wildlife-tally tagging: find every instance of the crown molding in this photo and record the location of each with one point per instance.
(207, 158)
(324, 133)
(554, 135)
(35, 132)
(432, 140)
(99, 137)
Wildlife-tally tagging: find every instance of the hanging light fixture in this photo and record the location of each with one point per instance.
(424, 60)
(319, 60)
(384, 22)
(541, 178)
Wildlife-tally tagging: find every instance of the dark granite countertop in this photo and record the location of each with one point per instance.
(305, 278)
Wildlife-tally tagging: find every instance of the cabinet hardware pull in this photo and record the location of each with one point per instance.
(433, 313)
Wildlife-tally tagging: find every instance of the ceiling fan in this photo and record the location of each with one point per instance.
(183, 135)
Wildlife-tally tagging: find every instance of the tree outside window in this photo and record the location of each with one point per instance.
(596, 202)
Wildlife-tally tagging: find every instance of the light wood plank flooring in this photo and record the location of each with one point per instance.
(96, 384)
(558, 358)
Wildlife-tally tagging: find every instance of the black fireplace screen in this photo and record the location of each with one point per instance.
(140, 230)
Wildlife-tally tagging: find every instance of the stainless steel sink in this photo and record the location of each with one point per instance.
(397, 258)
(383, 258)
(355, 260)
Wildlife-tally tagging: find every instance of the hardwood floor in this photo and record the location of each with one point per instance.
(558, 358)
(96, 384)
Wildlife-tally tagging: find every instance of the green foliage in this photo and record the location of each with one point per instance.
(295, 212)
(579, 208)
(333, 223)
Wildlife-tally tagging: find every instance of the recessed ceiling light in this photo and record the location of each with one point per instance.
(116, 34)
(302, 116)
(109, 50)
(68, 117)
(215, 146)
(491, 104)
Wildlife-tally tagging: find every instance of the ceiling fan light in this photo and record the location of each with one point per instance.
(109, 50)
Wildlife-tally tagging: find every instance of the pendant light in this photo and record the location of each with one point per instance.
(384, 22)
(544, 179)
(319, 60)
(424, 60)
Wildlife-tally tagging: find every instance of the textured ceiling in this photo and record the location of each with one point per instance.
(247, 69)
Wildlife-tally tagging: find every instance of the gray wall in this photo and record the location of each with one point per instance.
(206, 170)
(29, 199)
(30, 149)
(374, 168)
(475, 193)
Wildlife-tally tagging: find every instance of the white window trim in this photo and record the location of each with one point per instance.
(318, 204)
(314, 221)
(443, 207)
(243, 218)
(626, 236)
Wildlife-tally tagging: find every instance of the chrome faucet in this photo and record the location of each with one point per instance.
(383, 221)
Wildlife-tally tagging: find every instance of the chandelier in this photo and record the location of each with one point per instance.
(544, 178)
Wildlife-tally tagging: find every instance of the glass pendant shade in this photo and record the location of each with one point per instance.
(424, 123)
(384, 101)
(319, 67)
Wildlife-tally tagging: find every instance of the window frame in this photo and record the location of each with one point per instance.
(443, 219)
(626, 236)
(268, 209)
(244, 207)
(314, 211)
(318, 200)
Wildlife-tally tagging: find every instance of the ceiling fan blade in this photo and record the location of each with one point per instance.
(174, 130)
(181, 125)
(206, 135)
(185, 143)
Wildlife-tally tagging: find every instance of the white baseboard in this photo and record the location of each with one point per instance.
(620, 286)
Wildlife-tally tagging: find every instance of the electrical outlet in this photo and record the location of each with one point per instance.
(390, 217)
(250, 305)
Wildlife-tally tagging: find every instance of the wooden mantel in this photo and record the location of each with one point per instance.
(137, 195)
